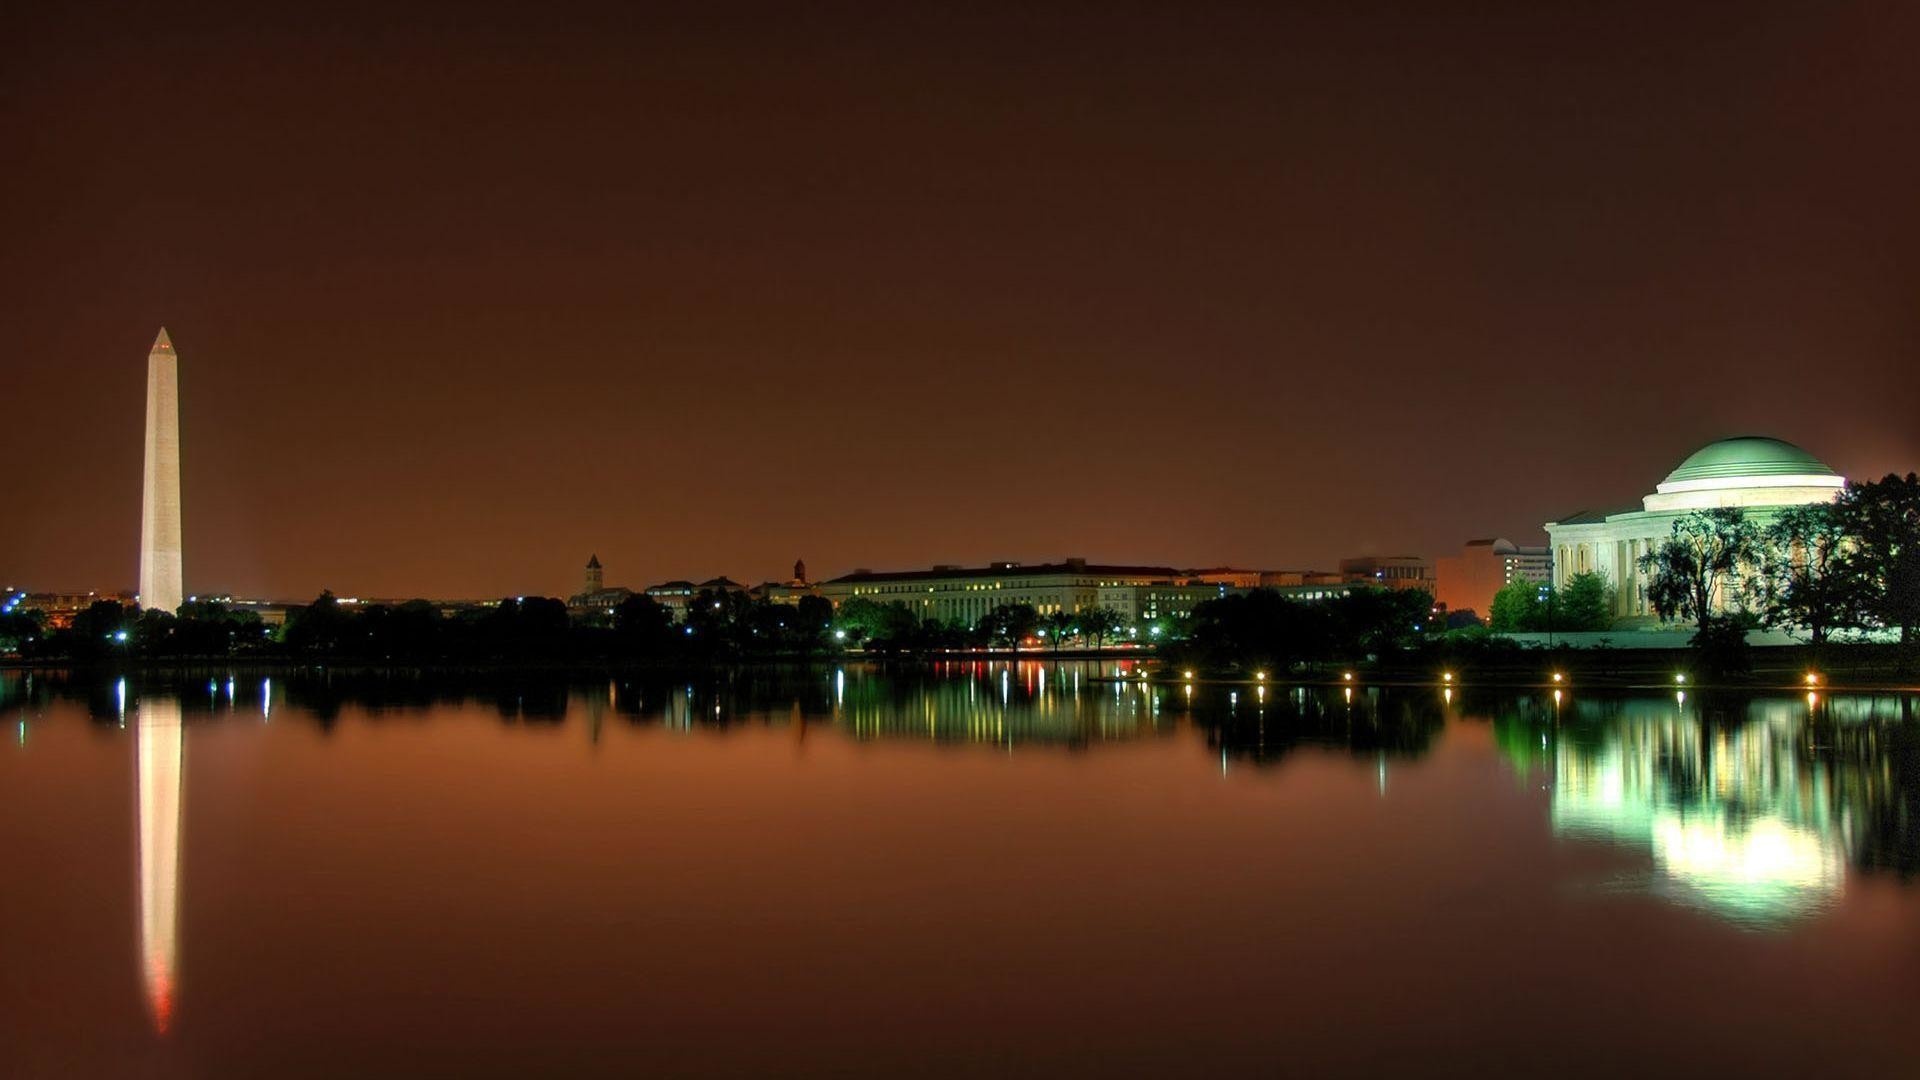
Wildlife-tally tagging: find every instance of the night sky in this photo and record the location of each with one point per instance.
(462, 298)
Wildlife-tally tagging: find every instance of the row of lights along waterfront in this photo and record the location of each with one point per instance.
(1557, 678)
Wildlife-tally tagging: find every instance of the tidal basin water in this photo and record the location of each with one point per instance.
(973, 869)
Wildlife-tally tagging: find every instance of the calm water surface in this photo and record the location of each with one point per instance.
(971, 870)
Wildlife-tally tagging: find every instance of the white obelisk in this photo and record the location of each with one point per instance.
(160, 561)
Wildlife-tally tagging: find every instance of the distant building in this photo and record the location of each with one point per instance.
(1467, 581)
(1758, 474)
(594, 598)
(676, 596)
(789, 591)
(1319, 590)
(60, 608)
(1388, 571)
(1282, 579)
(1227, 575)
(963, 594)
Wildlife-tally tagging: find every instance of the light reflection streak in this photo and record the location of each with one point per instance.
(161, 753)
(1735, 820)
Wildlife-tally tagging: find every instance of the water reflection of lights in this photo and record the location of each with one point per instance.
(1012, 705)
(1732, 819)
(1760, 868)
(161, 754)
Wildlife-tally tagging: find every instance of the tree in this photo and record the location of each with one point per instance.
(640, 622)
(522, 627)
(103, 620)
(1519, 606)
(1585, 604)
(1057, 627)
(1260, 629)
(1803, 579)
(20, 630)
(1699, 563)
(813, 617)
(1881, 519)
(1101, 623)
(867, 620)
(720, 618)
(1009, 624)
(318, 627)
(1374, 621)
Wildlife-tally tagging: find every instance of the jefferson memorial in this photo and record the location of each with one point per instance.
(1759, 474)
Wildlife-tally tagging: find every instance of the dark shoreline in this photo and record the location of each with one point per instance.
(1776, 669)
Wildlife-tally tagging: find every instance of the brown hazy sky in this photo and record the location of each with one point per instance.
(460, 298)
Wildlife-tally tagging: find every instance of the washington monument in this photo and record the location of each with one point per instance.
(160, 576)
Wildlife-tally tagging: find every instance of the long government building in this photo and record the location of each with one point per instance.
(955, 593)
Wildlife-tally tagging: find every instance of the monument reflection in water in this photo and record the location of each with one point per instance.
(161, 754)
(1754, 809)
(1751, 808)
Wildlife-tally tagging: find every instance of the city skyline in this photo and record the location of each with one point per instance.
(161, 562)
(1268, 289)
(1110, 539)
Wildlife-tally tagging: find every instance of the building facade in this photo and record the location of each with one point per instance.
(1389, 571)
(1136, 593)
(1760, 475)
(594, 599)
(1468, 581)
(790, 591)
(965, 594)
(676, 596)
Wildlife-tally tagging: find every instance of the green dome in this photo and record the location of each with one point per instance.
(1748, 455)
